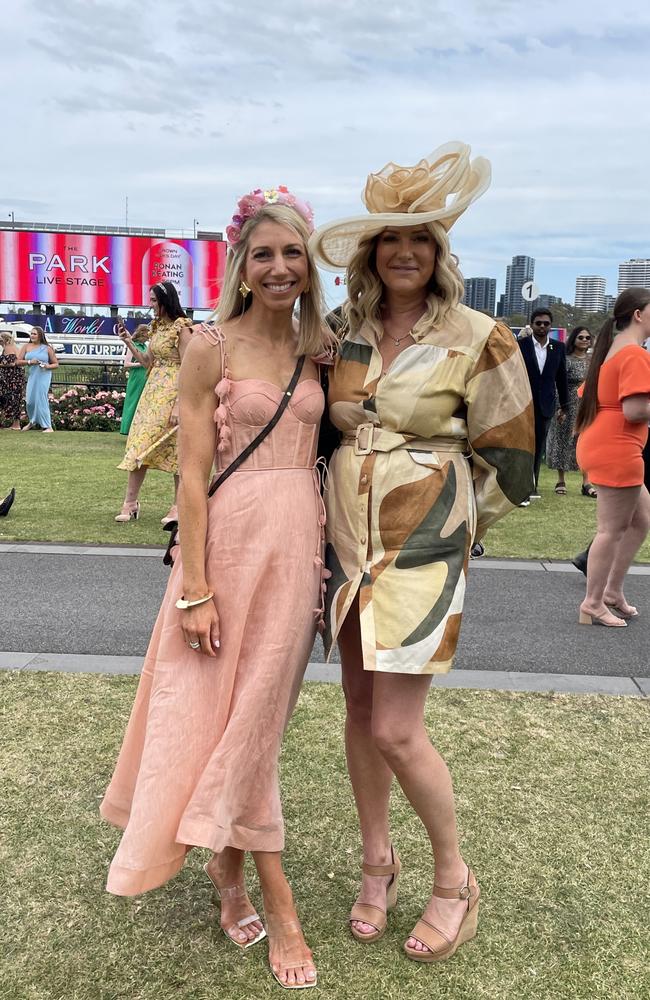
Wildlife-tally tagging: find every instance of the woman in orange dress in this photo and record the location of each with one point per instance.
(612, 424)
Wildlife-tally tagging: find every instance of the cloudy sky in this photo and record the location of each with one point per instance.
(185, 106)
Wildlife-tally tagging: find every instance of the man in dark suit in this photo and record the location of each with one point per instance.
(545, 361)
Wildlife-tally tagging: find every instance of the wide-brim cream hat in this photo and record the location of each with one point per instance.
(406, 196)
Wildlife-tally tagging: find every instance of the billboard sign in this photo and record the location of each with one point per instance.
(105, 270)
(92, 326)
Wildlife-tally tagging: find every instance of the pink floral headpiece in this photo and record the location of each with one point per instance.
(250, 205)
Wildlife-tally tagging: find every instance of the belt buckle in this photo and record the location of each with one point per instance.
(366, 449)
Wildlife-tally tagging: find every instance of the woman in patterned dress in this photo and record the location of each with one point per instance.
(561, 441)
(12, 381)
(434, 406)
(151, 443)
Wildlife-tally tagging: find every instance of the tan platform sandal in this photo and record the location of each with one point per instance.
(236, 892)
(439, 945)
(289, 929)
(370, 914)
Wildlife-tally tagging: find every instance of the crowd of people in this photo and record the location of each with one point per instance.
(40, 360)
(433, 422)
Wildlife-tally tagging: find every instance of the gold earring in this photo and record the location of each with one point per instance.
(244, 290)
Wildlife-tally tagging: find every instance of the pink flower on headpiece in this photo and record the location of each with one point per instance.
(249, 205)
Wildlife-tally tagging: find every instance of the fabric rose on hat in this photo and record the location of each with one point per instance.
(422, 188)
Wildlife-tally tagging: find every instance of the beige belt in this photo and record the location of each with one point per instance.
(369, 438)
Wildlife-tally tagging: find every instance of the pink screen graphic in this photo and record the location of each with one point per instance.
(77, 268)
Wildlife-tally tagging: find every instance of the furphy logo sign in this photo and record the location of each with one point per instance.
(79, 269)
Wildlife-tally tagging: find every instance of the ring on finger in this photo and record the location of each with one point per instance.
(195, 645)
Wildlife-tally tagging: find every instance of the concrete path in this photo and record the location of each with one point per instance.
(91, 608)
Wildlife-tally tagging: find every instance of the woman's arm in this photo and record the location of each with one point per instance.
(636, 409)
(500, 428)
(54, 361)
(21, 359)
(200, 372)
(184, 339)
(142, 357)
(130, 361)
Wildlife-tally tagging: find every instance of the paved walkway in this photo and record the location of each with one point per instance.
(91, 609)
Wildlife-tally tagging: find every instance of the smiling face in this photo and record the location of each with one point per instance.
(34, 336)
(276, 268)
(406, 258)
(583, 341)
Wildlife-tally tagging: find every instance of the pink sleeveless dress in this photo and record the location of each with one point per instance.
(199, 761)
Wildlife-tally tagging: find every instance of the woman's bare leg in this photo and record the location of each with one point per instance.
(625, 552)
(615, 509)
(134, 484)
(370, 776)
(227, 871)
(401, 736)
(289, 956)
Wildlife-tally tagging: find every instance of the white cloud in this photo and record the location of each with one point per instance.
(183, 106)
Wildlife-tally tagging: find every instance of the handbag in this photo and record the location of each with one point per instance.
(172, 526)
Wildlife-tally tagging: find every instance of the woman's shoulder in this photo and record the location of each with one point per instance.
(631, 351)
(210, 332)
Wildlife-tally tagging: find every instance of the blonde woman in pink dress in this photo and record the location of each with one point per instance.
(199, 762)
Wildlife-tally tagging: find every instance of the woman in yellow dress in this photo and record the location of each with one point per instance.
(434, 408)
(151, 443)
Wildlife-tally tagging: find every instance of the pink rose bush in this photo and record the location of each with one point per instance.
(82, 409)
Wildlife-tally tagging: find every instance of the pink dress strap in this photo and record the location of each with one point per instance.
(215, 336)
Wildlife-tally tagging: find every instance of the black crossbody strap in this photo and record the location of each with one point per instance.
(288, 393)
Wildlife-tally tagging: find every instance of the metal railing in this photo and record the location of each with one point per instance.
(92, 377)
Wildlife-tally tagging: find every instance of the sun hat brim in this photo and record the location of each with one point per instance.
(334, 244)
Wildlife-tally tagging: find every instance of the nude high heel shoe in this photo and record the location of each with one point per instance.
(235, 892)
(374, 915)
(129, 512)
(439, 945)
(587, 619)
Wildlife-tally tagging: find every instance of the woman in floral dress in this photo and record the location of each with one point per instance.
(561, 441)
(12, 382)
(151, 443)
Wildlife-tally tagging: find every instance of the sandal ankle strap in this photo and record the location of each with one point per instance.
(382, 870)
(466, 891)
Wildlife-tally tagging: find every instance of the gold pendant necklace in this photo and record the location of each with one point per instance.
(397, 340)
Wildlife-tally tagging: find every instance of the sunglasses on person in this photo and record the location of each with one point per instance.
(583, 337)
(542, 322)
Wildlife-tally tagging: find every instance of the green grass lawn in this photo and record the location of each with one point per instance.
(553, 808)
(69, 490)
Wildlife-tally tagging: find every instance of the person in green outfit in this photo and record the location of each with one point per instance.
(136, 377)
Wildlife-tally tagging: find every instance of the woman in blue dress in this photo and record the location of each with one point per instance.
(39, 359)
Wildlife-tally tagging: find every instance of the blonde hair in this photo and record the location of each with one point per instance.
(366, 291)
(142, 332)
(313, 336)
(6, 337)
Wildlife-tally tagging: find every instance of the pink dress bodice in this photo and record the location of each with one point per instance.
(245, 407)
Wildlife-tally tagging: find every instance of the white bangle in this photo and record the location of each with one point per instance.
(182, 604)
